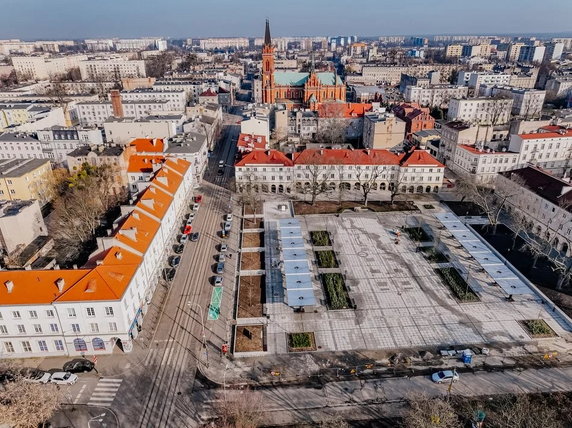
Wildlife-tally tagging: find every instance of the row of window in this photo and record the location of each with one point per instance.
(54, 328)
(58, 345)
(50, 313)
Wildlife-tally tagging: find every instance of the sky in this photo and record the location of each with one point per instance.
(77, 19)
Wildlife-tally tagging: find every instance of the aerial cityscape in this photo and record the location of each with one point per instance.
(309, 214)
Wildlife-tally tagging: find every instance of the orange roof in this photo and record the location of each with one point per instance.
(346, 157)
(148, 145)
(143, 163)
(567, 133)
(154, 201)
(36, 287)
(251, 141)
(177, 164)
(268, 157)
(483, 151)
(137, 231)
(347, 110)
(120, 256)
(419, 157)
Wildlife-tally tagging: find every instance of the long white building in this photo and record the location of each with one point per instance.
(111, 69)
(94, 309)
(483, 111)
(45, 67)
(434, 96)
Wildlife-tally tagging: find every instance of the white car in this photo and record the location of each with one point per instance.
(228, 217)
(221, 257)
(227, 226)
(195, 207)
(63, 378)
(223, 248)
(40, 377)
(445, 376)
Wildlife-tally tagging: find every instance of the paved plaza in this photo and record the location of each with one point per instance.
(401, 301)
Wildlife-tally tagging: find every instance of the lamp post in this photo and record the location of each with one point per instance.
(97, 418)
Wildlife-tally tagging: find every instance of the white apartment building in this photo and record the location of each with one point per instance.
(435, 96)
(58, 141)
(474, 79)
(45, 67)
(20, 146)
(111, 68)
(123, 130)
(176, 99)
(544, 201)
(95, 113)
(559, 87)
(453, 51)
(484, 111)
(140, 44)
(192, 88)
(375, 75)
(273, 172)
(550, 148)
(93, 310)
(224, 43)
(481, 163)
(527, 103)
(531, 54)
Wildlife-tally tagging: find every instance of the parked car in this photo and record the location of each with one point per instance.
(187, 229)
(169, 274)
(79, 365)
(183, 239)
(174, 261)
(198, 199)
(195, 207)
(227, 226)
(195, 236)
(221, 257)
(6, 377)
(218, 281)
(228, 217)
(223, 248)
(220, 163)
(445, 376)
(190, 217)
(220, 172)
(37, 376)
(220, 267)
(63, 378)
(223, 233)
(178, 248)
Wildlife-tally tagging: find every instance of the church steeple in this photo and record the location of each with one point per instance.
(267, 39)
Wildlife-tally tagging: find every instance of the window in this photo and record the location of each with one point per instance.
(9, 347)
(33, 314)
(109, 311)
(50, 313)
(94, 327)
(21, 329)
(54, 328)
(26, 346)
(112, 326)
(75, 328)
(71, 313)
(80, 345)
(38, 328)
(16, 315)
(3, 329)
(43, 345)
(59, 345)
(90, 312)
(98, 344)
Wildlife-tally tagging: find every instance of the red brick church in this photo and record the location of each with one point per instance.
(297, 89)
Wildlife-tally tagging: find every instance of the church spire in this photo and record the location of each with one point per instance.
(267, 39)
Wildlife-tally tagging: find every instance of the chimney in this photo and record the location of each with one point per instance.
(9, 286)
(116, 103)
(60, 284)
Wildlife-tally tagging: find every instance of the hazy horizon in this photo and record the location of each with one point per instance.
(63, 19)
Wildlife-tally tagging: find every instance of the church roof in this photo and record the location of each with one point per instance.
(296, 78)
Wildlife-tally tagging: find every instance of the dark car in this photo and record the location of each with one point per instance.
(169, 273)
(220, 172)
(78, 366)
(219, 267)
(7, 377)
(195, 236)
(174, 261)
(178, 248)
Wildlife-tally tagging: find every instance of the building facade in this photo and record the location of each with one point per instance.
(382, 130)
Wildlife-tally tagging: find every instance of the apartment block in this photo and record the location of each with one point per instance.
(483, 111)
(26, 179)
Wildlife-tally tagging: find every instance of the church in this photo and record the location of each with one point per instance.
(297, 89)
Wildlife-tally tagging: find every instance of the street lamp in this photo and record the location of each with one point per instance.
(97, 418)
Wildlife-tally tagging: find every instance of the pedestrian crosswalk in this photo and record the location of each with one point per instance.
(105, 391)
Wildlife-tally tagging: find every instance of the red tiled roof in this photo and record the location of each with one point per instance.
(208, 93)
(148, 145)
(251, 141)
(544, 135)
(267, 157)
(419, 157)
(346, 157)
(347, 110)
(143, 163)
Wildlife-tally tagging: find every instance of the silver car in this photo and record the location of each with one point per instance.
(63, 378)
(445, 376)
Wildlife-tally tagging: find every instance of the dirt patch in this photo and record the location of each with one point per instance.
(465, 208)
(252, 261)
(329, 207)
(249, 211)
(249, 338)
(251, 296)
(253, 240)
(252, 223)
(562, 300)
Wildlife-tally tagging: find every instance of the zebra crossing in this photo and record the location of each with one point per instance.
(105, 391)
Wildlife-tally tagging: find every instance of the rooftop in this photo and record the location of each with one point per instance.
(19, 167)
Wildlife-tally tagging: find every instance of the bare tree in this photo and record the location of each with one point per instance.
(59, 94)
(395, 184)
(240, 409)
(367, 177)
(495, 115)
(24, 404)
(249, 197)
(317, 180)
(425, 412)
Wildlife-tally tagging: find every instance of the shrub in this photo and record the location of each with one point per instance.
(326, 259)
(538, 328)
(335, 290)
(458, 285)
(432, 255)
(417, 234)
(300, 340)
(320, 238)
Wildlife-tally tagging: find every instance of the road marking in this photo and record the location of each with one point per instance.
(214, 307)
(105, 391)
(77, 397)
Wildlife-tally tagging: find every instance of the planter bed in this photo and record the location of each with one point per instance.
(335, 290)
(320, 238)
(251, 296)
(417, 234)
(326, 259)
(249, 338)
(252, 261)
(537, 328)
(457, 284)
(301, 342)
(434, 256)
(252, 240)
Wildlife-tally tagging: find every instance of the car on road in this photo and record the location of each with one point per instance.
(183, 239)
(79, 365)
(227, 226)
(190, 217)
(221, 257)
(223, 248)
(178, 248)
(37, 376)
(63, 378)
(195, 207)
(169, 274)
(187, 229)
(174, 261)
(220, 267)
(198, 199)
(195, 236)
(228, 217)
(445, 376)
(218, 281)
(223, 233)
(220, 163)
(189, 221)
(220, 172)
